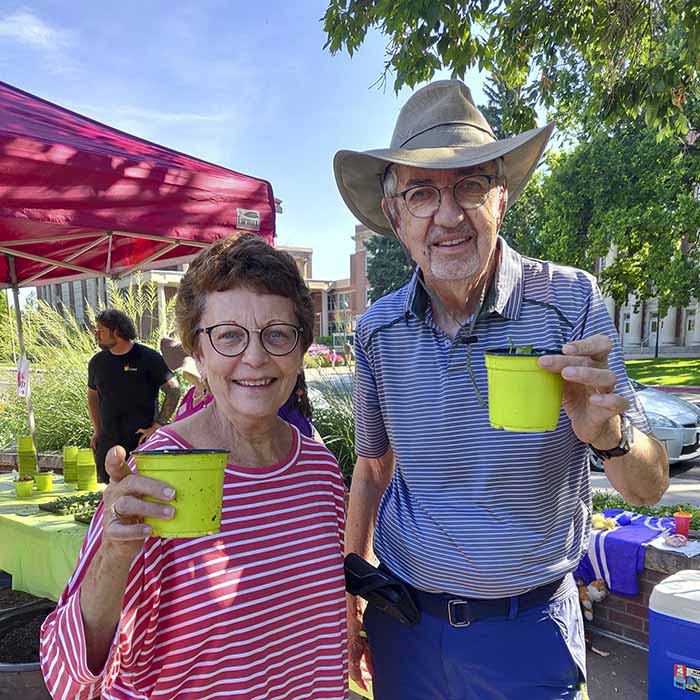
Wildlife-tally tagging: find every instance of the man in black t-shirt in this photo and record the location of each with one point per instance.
(123, 384)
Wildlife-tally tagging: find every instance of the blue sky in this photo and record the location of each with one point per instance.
(245, 85)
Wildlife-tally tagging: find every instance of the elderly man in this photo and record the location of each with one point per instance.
(483, 526)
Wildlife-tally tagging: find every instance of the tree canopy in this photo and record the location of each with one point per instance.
(388, 267)
(619, 189)
(592, 61)
(625, 192)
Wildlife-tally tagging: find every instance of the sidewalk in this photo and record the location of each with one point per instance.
(622, 675)
(679, 490)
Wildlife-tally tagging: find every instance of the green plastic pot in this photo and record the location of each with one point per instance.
(198, 479)
(44, 481)
(26, 444)
(522, 397)
(86, 472)
(70, 468)
(24, 489)
(27, 465)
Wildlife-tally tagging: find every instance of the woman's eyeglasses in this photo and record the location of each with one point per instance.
(230, 339)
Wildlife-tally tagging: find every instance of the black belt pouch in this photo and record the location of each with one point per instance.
(380, 589)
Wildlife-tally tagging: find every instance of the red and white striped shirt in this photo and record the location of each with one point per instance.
(256, 611)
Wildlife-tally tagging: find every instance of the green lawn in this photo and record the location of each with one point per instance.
(668, 371)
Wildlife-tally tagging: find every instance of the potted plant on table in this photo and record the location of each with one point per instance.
(24, 486)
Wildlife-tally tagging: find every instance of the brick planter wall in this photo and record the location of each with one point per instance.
(8, 462)
(625, 617)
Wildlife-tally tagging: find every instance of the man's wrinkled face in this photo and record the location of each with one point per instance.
(455, 243)
(106, 338)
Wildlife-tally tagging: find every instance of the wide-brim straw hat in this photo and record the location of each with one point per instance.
(439, 127)
(176, 358)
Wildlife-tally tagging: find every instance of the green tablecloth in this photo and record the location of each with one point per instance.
(37, 548)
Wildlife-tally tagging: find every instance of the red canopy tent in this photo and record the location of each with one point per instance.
(80, 199)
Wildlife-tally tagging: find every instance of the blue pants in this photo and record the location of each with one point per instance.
(534, 654)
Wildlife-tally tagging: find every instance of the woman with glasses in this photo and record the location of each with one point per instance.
(295, 410)
(256, 611)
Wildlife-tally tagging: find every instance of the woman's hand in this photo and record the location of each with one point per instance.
(125, 507)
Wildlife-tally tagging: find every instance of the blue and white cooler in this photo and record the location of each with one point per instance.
(674, 637)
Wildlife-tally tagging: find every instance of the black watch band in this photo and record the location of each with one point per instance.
(626, 441)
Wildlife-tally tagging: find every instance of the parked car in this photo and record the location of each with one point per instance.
(674, 421)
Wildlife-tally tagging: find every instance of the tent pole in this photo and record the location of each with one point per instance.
(161, 310)
(20, 336)
(12, 331)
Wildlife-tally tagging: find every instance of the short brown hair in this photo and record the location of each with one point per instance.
(245, 261)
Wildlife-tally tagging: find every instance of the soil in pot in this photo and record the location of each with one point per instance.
(11, 599)
(19, 641)
(20, 644)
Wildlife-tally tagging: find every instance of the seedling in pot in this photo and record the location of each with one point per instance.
(523, 349)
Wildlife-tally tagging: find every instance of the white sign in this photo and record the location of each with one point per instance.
(23, 377)
(248, 219)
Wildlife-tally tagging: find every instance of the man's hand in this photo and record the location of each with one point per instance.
(588, 398)
(145, 433)
(359, 658)
(93, 440)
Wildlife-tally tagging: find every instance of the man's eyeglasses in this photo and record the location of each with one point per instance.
(422, 201)
(230, 339)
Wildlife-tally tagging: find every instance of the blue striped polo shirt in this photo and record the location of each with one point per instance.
(471, 510)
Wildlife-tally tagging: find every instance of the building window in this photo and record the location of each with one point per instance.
(654, 323)
(691, 321)
(627, 324)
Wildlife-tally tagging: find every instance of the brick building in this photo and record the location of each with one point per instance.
(338, 303)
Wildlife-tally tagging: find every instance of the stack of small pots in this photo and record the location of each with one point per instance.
(70, 464)
(26, 453)
(86, 471)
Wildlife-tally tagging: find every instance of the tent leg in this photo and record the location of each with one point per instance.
(161, 310)
(22, 353)
(22, 350)
(12, 331)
